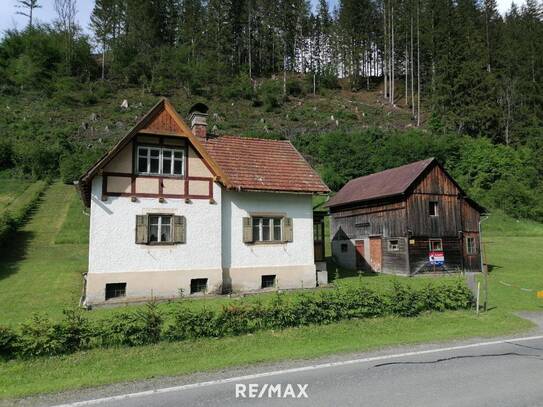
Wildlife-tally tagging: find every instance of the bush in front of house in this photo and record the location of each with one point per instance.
(146, 325)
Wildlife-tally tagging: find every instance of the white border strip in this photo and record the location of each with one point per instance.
(287, 371)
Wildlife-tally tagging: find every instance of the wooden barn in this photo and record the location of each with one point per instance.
(406, 220)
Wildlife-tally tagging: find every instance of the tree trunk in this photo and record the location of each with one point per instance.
(418, 63)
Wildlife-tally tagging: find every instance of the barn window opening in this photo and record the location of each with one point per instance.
(198, 285)
(268, 281)
(394, 245)
(470, 245)
(344, 248)
(160, 161)
(115, 290)
(436, 245)
(160, 229)
(433, 206)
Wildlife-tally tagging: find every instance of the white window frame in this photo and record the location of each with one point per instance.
(436, 208)
(473, 247)
(431, 245)
(161, 150)
(159, 229)
(395, 247)
(259, 238)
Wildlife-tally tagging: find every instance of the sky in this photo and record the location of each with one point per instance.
(9, 19)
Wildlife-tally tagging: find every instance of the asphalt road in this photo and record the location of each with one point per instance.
(496, 373)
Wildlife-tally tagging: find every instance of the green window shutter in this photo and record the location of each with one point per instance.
(247, 230)
(142, 229)
(287, 230)
(179, 229)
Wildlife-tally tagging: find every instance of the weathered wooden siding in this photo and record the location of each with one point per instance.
(385, 220)
(419, 249)
(446, 223)
(472, 262)
(470, 217)
(396, 262)
(163, 122)
(436, 182)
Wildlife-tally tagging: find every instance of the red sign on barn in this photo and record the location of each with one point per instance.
(437, 258)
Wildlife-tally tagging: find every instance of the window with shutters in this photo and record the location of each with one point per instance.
(160, 161)
(267, 229)
(157, 229)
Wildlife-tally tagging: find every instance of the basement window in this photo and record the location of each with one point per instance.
(198, 285)
(432, 208)
(394, 245)
(115, 290)
(268, 281)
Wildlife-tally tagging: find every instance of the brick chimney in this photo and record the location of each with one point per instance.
(198, 120)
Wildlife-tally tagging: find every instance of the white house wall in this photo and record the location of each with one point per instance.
(244, 264)
(152, 270)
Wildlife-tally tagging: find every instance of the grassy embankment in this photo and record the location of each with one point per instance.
(44, 274)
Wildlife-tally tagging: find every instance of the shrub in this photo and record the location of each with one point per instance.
(75, 330)
(272, 94)
(239, 87)
(40, 337)
(122, 329)
(188, 324)
(152, 320)
(404, 301)
(295, 88)
(8, 341)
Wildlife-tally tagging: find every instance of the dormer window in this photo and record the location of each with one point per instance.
(160, 161)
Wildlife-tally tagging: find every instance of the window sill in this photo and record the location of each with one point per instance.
(269, 243)
(153, 176)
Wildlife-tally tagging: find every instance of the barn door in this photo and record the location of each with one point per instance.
(361, 263)
(376, 256)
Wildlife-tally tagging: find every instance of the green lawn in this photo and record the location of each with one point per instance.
(10, 189)
(42, 272)
(37, 275)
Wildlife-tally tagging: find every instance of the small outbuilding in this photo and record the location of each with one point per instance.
(406, 220)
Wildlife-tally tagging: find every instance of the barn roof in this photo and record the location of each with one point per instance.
(384, 184)
(261, 164)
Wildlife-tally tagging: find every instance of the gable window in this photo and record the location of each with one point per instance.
(471, 248)
(433, 208)
(160, 161)
(115, 290)
(436, 245)
(394, 245)
(266, 229)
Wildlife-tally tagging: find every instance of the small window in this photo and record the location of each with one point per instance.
(344, 248)
(470, 246)
(268, 281)
(160, 229)
(115, 290)
(394, 245)
(436, 245)
(433, 206)
(160, 161)
(198, 285)
(267, 229)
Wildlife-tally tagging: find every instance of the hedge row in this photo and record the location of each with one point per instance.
(42, 337)
(16, 213)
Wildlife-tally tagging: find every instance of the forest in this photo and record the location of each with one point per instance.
(454, 79)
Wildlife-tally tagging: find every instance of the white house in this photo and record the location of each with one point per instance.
(177, 211)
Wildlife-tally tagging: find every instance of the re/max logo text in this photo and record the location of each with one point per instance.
(278, 391)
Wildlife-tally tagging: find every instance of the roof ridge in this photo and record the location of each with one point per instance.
(428, 160)
(249, 138)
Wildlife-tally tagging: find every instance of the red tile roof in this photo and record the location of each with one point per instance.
(261, 164)
(388, 183)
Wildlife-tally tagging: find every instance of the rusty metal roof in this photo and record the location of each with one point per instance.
(262, 164)
(384, 184)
